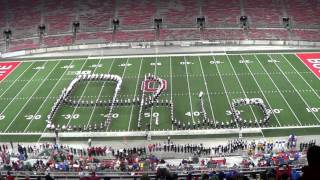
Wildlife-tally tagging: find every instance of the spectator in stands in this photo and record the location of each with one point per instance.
(205, 177)
(145, 177)
(94, 176)
(313, 157)
(48, 177)
(9, 177)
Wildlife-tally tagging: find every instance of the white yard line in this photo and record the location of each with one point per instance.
(190, 99)
(206, 85)
(185, 54)
(103, 84)
(171, 86)
(123, 73)
(301, 76)
(79, 70)
(47, 97)
(285, 100)
(152, 55)
(81, 96)
(261, 91)
(16, 80)
(244, 93)
(34, 92)
(12, 99)
(310, 70)
(295, 90)
(224, 87)
(135, 94)
(4, 79)
(151, 110)
(168, 76)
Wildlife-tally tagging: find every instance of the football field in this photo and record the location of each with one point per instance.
(283, 81)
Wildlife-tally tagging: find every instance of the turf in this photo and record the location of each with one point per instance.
(287, 86)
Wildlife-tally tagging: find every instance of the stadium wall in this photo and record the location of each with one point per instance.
(165, 47)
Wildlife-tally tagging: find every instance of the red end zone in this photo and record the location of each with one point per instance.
(312, 61)
(6, 68)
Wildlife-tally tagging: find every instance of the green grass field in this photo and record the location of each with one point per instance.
(281, 80)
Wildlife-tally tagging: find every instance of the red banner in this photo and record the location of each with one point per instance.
(312, 61)
(6, 68)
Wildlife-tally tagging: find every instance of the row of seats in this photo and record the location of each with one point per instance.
(164, 35)
(22, 19)
(63, 40)
(228, 34)
(270, 34)
(59, 15)
(136, 14)
(96, 15)
(264, 12)
(179, 13)
(24, 44)
(304, 13)
(221, 14)
(308, 35)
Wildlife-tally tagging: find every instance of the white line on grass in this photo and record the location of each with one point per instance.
(75, 109)
(12, 99)
(151, 111)
(301, 76)
(16, 80)
(103, 84)
(47, 97)
(14, 119)
(153, 55)
(190, 98)
(295, 89)
(310, 70)
(244, 93)
(261, 91)
(135, 94)
(123, 73)
(167, 75)
(79, 70)
(285, 100)
(224, 87)
(182, 54)
(171, 86)
(205, 83)
(4, 79)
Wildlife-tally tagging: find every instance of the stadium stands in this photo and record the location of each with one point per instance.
(263, 13)
(221, 14)
(179, 34)
(179, 13)
(2, 18)
(136, 36)
(22, 44)
(95, 15)
(248, 157)
(272, 34)
(136, 21)
(306, 35)
(23, 20)
(221, 34)
(136, 14)
(53, 41)
(59, 16)
(304, 13)
(93, 37)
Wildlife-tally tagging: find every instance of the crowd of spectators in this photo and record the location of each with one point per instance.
(213, 161)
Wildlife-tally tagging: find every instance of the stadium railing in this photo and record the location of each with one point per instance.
(131, 174)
